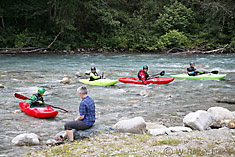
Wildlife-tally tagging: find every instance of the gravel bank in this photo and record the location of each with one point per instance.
(216, 142)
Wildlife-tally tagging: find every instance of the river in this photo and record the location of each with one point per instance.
(166, 103)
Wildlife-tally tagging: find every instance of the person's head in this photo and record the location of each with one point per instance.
(145, 68)
(93, 69)
(192, 64)
(41, 90)
(82, 91)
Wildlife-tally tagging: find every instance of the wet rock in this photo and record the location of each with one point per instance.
(66, 79)
(94, 130)
(180, 129)
(79, 74)
(226, 100)
(82, 134)
(220, 114)
(199, 120)
(1, 86)
(26, 139)
(156, 132)
(134, 125)
(144, 93)
(155, 126)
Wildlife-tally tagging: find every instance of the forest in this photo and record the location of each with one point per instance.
(132, 25)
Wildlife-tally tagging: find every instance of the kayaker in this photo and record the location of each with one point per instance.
(143, 75)
(94, 75)
(37, 99)
(192, 70)
(86, 118)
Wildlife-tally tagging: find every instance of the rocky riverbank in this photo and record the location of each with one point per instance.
(215, 142)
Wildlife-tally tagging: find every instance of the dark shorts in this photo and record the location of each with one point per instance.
(76, 124)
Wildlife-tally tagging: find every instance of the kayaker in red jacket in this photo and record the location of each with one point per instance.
(143, 75)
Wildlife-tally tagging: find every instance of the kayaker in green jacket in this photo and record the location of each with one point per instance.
(94, 75)
(37, 99)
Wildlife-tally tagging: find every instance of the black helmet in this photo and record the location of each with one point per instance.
(93, 68)
(191, 63)
(145, 67)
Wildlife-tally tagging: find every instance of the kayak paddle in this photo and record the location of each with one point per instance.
(19, 96)
(161, 73)
(213, 72)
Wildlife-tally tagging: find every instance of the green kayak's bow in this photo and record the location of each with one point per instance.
(203, 76)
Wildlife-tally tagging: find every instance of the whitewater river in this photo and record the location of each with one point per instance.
(166, 103)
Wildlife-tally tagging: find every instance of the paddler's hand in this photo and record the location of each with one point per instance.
(40, 102)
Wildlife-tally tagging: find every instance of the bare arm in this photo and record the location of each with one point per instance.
(81, 117)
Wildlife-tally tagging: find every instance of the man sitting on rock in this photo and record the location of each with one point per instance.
(86, 118)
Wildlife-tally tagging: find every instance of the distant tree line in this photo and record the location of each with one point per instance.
(142, 25)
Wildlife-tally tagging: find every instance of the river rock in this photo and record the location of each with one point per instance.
(155, 126)
(82, 134)
(144, 93)
(180, 129)
(226, 100)
(199, 120)
(227, 123)
(66, 80)
(26, 139)
(94, 130)
(134, 125)
(156, 132)
(1, 86)
(220, 114)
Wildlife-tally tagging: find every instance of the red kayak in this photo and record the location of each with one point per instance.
(157, 80)
(39, 112)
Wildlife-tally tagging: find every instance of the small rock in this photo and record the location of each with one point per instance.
(155, 126)
(1, 86)
(134, 125)
(180, 129)
(66, 80)
(156, 132)
(52, 142)
(26, 139)
(220, 114)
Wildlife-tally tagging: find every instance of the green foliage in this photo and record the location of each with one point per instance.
(173, 39)
(133, 25)
(176, 16)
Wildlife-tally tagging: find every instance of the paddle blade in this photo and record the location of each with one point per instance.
(162, 73)
(19, 96)
(215, 72)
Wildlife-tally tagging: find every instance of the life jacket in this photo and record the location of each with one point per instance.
(191, 69)
(146, 75)
(91, 78)
(39, 98)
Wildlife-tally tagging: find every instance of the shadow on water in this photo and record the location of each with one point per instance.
(166, 103)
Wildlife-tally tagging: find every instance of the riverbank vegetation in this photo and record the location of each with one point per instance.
(196, 143)
(146, 25)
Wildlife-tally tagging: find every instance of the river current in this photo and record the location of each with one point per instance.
(157, 103)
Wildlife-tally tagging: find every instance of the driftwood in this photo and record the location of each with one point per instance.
(29, 49)
(196, 51)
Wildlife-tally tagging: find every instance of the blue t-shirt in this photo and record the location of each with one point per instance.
(87, 108)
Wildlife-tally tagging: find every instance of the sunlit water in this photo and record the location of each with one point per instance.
(166, 103)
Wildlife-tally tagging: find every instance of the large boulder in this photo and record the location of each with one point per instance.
(220, 114)
(82, 134)
(26, 139)
(134, 125)
(199, 120)
(94, 130)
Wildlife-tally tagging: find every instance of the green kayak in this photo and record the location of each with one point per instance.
(203, 76)
(100, 82)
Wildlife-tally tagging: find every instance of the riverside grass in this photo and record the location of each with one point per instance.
(199, 143)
